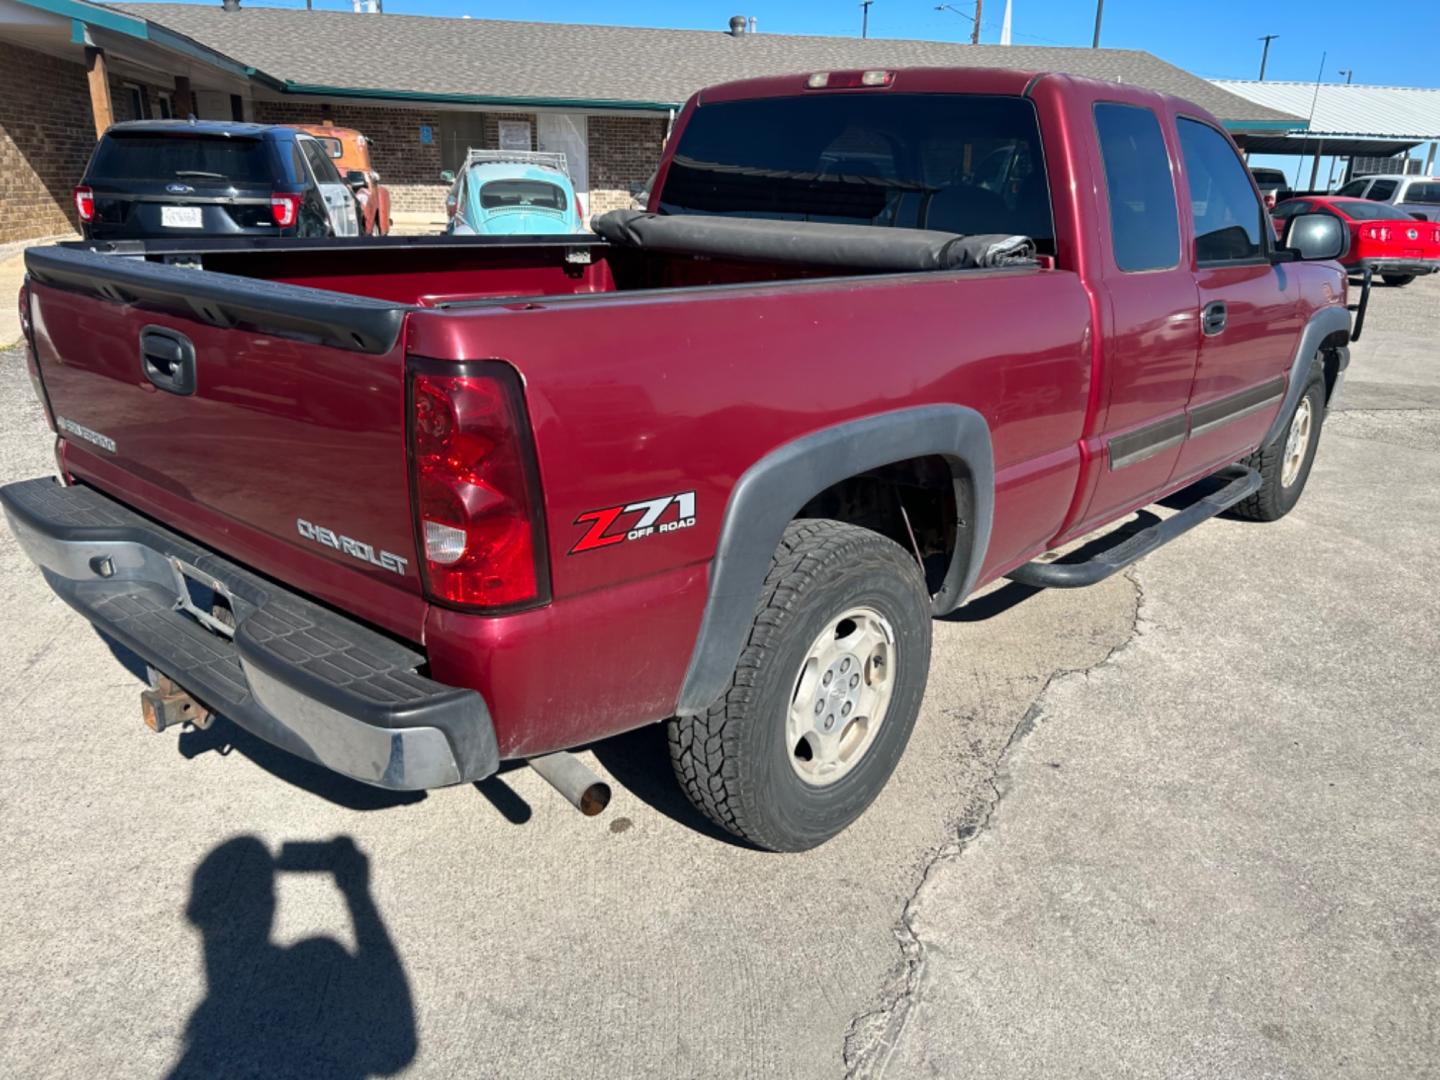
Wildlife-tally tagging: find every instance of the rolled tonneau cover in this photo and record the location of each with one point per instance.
(813, 243)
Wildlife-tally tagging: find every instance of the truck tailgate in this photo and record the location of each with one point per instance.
(264, 420)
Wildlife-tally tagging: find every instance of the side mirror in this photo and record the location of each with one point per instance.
(355, 180)
(447, 176)
(1316, 237)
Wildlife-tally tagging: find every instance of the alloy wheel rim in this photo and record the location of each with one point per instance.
(841, 695)
(1296, 443)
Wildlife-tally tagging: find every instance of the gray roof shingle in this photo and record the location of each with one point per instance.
(492, 58)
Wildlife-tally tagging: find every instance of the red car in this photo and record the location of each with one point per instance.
(1394, 245)
(885, 337)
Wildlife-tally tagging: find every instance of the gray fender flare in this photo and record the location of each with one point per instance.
(1326, 321)
(769, 494)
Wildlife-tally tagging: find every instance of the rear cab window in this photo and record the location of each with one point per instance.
(194, 159)
(1229, 218)
(1144, 221)
(1354, 189)
(958, 163)
(1427, 192)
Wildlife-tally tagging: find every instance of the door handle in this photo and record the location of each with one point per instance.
(1212, 317)
(168, 360)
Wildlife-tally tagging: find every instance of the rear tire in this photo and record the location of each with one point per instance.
(1395, 281)
(824, 696)
(1284, 466)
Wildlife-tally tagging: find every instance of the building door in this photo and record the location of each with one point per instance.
(564, 133)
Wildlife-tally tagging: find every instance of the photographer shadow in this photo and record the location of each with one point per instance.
(312, 1009)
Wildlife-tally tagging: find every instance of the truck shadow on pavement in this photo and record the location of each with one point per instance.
(639, 761)
(312, 1009)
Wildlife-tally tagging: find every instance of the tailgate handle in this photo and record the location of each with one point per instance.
(168, 360)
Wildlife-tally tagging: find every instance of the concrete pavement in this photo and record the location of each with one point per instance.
(1113, 847)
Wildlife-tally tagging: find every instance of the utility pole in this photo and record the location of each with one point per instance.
(1099, 11)
(1348, 73)
(1265, 55)
(865, 17)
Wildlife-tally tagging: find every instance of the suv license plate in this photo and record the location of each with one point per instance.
(180, 217)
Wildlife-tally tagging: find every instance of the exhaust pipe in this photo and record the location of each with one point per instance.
(575, 780)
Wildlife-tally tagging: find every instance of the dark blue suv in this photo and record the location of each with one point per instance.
(169, 178)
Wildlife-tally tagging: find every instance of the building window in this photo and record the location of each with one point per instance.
(136, 97)
(166, 105)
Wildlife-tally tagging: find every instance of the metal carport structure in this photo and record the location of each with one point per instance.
(1345, 120)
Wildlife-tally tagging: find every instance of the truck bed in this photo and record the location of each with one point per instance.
(651, 252)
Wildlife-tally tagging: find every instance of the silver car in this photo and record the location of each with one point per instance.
(1416, 196)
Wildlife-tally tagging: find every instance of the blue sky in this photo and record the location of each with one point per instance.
(1395, 45)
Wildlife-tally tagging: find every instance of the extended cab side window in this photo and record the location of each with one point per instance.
(1382, 190)
(1354, 189)
(1228, 215)
(1144, 222)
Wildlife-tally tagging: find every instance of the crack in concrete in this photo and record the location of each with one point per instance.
(872, 1037)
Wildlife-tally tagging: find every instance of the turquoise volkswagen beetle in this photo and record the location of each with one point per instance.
(512, 193)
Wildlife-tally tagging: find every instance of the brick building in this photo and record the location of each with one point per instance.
(424, 89)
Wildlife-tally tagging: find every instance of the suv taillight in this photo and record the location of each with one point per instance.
(85, 203)
(284, 208)
(478, 518)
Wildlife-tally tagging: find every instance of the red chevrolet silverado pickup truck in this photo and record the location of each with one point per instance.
(413, 507)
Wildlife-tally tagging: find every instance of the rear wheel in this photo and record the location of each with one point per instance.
(824, 696)
(1284, 466)
(1396, 280)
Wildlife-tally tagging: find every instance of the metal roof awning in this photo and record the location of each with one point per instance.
(1347, 120)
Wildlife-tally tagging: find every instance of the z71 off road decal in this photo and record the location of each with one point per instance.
(613, 525)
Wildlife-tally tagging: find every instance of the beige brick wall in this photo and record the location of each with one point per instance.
(409, 168)
(46, 135)
(623, 150)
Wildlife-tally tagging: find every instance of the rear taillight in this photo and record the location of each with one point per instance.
(1270, 201)
(1377, 232)
(85, 203)
(284, 208)
(479, 521)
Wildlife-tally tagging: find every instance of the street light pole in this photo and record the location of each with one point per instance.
(865, 17)
(1099, 11)
(975, 33)
(1266, 54)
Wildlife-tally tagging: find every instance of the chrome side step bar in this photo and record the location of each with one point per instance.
(1242, 482)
